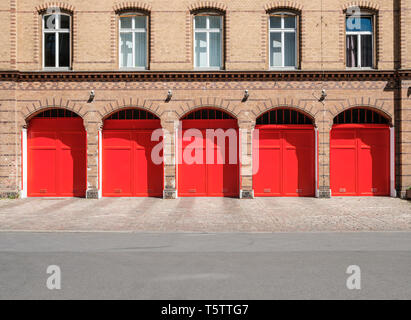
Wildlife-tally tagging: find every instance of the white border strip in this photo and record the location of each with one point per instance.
(100, 163)
(24, 150)
(317, 193)
(393, 192)
(176, 158)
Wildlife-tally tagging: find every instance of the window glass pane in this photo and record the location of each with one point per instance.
(215, 22)
(140, 22)
(289, 22)
(126, 50)
(275, 22)
(366, 24)
(126, 22)
(275, 46)
(201, 49)
(352, 51)
(353, 23)
(141, 49)
(50, 50)
(200, 22)
(64, 49)
(215, 49)
(50, 22)
(64, 22)
(289, 49)
(357, 23)
(366, 51)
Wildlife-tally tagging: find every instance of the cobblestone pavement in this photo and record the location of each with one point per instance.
(206, 215)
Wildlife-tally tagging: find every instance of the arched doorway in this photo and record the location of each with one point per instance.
(360, 154)
(208, 155)
(129, 168)
(284, 154)
(57, 155)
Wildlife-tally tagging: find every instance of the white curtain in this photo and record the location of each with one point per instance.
(126, 50)
(141, 49)
(201, 49)
(215, 49)
(275, 43)
(289, 49)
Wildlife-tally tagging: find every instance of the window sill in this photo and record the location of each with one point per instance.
(360, 68)
(283, 69)
(133, 69)
(208, 69)
(57, 69)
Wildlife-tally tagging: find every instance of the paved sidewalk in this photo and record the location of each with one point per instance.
(206, 215)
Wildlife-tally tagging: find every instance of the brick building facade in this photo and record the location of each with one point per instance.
(248, 62)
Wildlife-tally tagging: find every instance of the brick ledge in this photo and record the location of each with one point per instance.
(204, 76)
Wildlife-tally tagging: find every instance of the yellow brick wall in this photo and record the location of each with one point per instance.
(95, 48)
(95, 33)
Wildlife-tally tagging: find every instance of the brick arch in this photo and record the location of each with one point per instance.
(223, 109)
(31, 111)
(207, 5)
(128, 108)
(124, 6)
(290, 106)
(292, 5)
(109, 110)
(62, 5)
(374, 108)
(370, 5)
(208, 102)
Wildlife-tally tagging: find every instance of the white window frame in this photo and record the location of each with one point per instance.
(133, 30)
(283, 30)
(57, 32)
(359, 35)
(209, 30)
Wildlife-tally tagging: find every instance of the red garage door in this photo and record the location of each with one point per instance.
(56, 155)
(284, 155)
(213, 173)
(360, 154)
(128, 167)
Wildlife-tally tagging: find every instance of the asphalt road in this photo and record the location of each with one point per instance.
(204, 266)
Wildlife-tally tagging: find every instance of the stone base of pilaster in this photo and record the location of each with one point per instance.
(246, 194)
(170, 194)
(324, 193)
(10, 195)
(404, 194)
(92, 194)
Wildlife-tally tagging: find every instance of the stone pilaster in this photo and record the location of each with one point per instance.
(246, 129)
(170, 131)
(324, 124)
(92, 130)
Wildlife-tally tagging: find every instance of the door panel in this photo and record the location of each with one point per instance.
(285, 160)
(128, 168)
(343, 159)
(117, 163)
(373, 162)
(217, 179)
(42, 173)
(360, 160)
(57, 158)
(268, 179)
(298, 163)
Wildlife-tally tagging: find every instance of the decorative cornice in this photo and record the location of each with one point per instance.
(293, 5)
(79, 76)
(131, 5)
(207, 5)
(61, 5)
